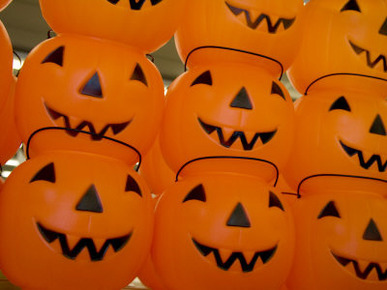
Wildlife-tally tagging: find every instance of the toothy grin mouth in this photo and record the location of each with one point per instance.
(366, 273)
(363, 163)
(246, 267)
(265, 136)
(73, 132)
(116, 243)
(371, 63)
(272, 28)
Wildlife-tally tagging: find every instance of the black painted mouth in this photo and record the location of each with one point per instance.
(370, 62)
(136, 4)
(253, 24)
(73, 132)
(246, 267)
(265, 137)
(382, 275)
(116, 243)
(374, 159)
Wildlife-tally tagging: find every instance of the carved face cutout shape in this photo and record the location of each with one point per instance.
(107, 91)
(345, 133)
(85, 222)
(346, 238)
(226, 110)
(352, 39)
(269, 28)
(234, 231)
(134, 22)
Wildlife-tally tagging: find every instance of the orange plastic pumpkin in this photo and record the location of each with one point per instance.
(227, 109)
(100, 87)
(156, 171)
(74, 221)
(145, 24)
(9, 136)
(4, 3)
(341, 36)
(341, 226)
(266, 27)
(222, 231)
(6, 58)
(341, 130)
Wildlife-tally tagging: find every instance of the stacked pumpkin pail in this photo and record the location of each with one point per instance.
(227, 132)
(339, 161)
(9, 139)
(88, 105)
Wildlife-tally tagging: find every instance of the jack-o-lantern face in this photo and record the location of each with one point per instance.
(227, 110)
(340, 131)
(134, 22)
(86, 85)
(341, 240)
(341, 36)
(92, 226)
(268, 28)
(222, 231)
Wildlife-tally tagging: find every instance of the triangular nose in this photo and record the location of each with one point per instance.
(239, 217)
(242, 100)
(90, 201)
(383, 29)
(92, 87)
(378, 126)
(372, 232)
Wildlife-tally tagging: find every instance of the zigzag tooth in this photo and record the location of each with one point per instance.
(227, 133)
(99, 243)
(250, 136)
(363, 265)
(72, 241)
(249, 255)
(225, 254)
(373, 275)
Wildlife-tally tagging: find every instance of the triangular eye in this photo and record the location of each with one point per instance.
(197, 193)
(138, 75)
(205, 79)
(113, 1)
(351, 5)
(340, 104)
(155, 2)
(276, 90)
(329, 210)
(132, 185)
(55, 57)
(47, 173)
(274, 201)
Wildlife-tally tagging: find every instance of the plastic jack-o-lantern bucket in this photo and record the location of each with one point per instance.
(4, 4)
(340, 130)
(341, 232)
(144, 24)
(6, 59)
(341, 36)
(74, 221)
(222, 231)
(264, 27)
(9, 136)
(105, 97)
(227, 110)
